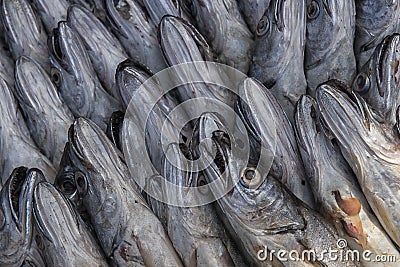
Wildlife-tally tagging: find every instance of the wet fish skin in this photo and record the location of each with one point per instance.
(378, 80)
(16, 145)
(51, 12)
(24, 33)
(6, 64)
(157, 10)
(196, 232)
(129, 77)
(103, 48)
(369, 146)
(252, 11)
(224, 28)
(61, 235)
(97, 7)
(330, 31)
(16, 219)
(136, 32)
(127, 229)
(258, 210)
(47, 117)
(73, 74)
(182, 43)
(340, 198)
(256, 101)
(278, 57)
(374, 21)
(114, 128)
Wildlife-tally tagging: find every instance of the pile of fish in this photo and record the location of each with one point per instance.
(321, 88)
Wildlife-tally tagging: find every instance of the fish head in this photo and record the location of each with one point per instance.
(249, 194)
(277, 34)
(181, 42)
(129, 76)
(378, 80)
(16, 221)
(59, 230)
(71, 69)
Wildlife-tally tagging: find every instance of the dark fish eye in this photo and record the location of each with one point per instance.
(201, 183)
(250, 177)
(81, 182)
(68, 187)
(56, 77)
(263, 26)
(362, 83)
(313, 10)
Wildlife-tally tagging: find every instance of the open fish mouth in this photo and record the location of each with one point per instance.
(20, 192)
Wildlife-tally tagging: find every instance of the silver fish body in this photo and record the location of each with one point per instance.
(252, 11)
(51, 12)
(378, 80)
(374, 21)
(127, 229)
(157, 10)
(370, 148)
(329, 50)
(136, 32)
(16, 145)
(73, 74)
(193, 230)
(18, 247)
(97, 7)
(222, 25)
(278, 57)
(60, 234)
(24, 32)
(258, 210)
(103, 48)
(47, 117)
(6, 65)
(335, 187)
(274, 131)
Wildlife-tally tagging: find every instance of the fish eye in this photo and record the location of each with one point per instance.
(81, 182)
(250, 178)
(362, 83)
(68, 187)
(263, 26)
(56, 77)
(201, 182)
(313, 10)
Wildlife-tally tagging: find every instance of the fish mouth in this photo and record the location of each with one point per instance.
(20, 194)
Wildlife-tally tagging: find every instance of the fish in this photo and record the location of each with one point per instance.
(61, 236)
(18, 247)
(73, 74)
(24, 32)
(275, 133)
(374, 21)
(182, 43)
(136, 32)
(47, 117)
(51, 12)
(378, 80)
(128, 231)
(157, 10)
(16, 145)
(278, 58)
(253, 11)
(6, 65)
(196, 232)
(257, 209)
(329, 54)
(114, 128)
(335, 187)
(222, 25)
(369, 146)
(97, 7)
(129, 76)
(103, 48)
